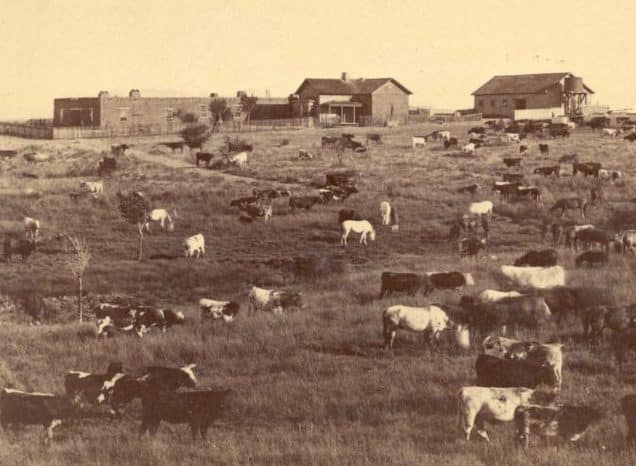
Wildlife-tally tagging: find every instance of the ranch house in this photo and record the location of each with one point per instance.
(502, 95)
(357, 101)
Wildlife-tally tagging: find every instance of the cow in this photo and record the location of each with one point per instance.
(535, 277)
(559, 130)
(610, 132)
(476, 405)
(609, 175)
(564, 301)
(194, 245)
(148, 317)
(543, 258)
(27, 408)
(227, 310)
(259, 211)
(160, 216)
(471, 188)
(330, 141)
(471, 246)
(302, 202)
(400, 282)
(495, 372)
(240, 159)
(385, 212)
(347, 214)
(477, 141)
(431, 321)
(204, 157)
(586, 168)
(274, 300)
(513, 177)
(591, 258)
(627, 240)
(119, 149)
(86, 385)
(594, 319)
(446, 280)
(450, 142)
(566, 422)
(512, 161)
(107, 165)
(469, 149)
(544, 149)
(556, 229)
(523, 149)
(481, 208)
(243, 202)
(339, 178)
(528, 311)
(199, 409)
(491, 296)
(570, 233)
(92, 187)
(630, 137)
(532, 192)
(547, 171)
(506, 188)
(270, 193)
(31, 228)
(550, 354)
(120, 314)
(570, 203)
(569, 158)
(418, 141)
(363, 227)
(477, 130)
(107, 327)
(628, 406)
(174, 145)
(375, 137)
(22, 247)
(304, 155)
(238, 146)
(590, 236)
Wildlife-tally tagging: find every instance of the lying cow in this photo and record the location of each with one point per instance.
(495, 372)
(566, 422)
(227, 310)
(535, 277)
(591, 258)
(163, 319)
(274, 300)
(446, 280)
(543, 258)
(304, 202)
(404, 282)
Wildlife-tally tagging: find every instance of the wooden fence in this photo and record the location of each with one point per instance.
(26, 131)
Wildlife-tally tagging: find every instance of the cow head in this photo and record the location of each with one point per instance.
(190, 379)
(108, 386)
(469, 279)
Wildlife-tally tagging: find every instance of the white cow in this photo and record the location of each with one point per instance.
(481, 208)
(239, 159)
(610, 132)
(162, 217)
(194, 244)
(264, 299)
(550, 354)
(226, 310)
(419, 141)
(94, 187)
(512, 137)
(358, 226)
(443, 135)
(475, 405)
(385, 211)
(31, 228)
(535, 277)
(469, 148)
(491, 296)
(430, 320)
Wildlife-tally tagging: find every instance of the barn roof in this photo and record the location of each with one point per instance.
(350, 86)
(522, 84)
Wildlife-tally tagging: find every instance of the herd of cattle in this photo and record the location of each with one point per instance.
(508, 371)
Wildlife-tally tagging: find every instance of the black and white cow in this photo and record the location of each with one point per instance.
(227, 310)
(87, 385)
(496, 372)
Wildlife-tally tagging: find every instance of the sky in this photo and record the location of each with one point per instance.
(440, 50)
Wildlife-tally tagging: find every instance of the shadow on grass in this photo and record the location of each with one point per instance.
(165, 256)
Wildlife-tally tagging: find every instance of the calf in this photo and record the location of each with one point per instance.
(400, 282)
(24, 408)
(227, 310)
(495, 372)
(305, 202)
(543, 258)
(566, 422)
(446, 280)
(512, 161)
(591, 258)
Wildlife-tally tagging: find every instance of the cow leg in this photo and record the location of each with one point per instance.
(481, 428)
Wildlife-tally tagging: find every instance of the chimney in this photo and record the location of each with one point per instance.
(102, 94)
(213, 95)
(134, 94)
(343, 76)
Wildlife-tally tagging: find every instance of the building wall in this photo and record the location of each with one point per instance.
(503, 105)
(389, 101)
(80, 111)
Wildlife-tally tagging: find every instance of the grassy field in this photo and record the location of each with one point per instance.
(313, 386)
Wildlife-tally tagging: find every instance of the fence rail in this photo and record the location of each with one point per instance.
(26, 131)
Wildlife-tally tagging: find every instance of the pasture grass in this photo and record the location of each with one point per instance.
(313, 386)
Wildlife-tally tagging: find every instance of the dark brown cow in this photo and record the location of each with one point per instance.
(496, 372)
(303, 202)
(471, 188)
(591, 258)
(543, 258)
(548, 171)
(402, 282)
(571, 203)
(587, 168)
(512, 161)
(204, 157)
(591, 236)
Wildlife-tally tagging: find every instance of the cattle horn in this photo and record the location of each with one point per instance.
(190, 366)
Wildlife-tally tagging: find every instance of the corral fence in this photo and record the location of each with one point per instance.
(26, 130)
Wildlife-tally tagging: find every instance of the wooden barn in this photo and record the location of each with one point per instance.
(356, 101)
(502, 95)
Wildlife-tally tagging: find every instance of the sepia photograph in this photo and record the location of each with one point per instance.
(343, 233)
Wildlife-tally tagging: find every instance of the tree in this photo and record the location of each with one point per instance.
(218, 110)
(80, 257)
(195, 135)
(134, 208)
(247, 105)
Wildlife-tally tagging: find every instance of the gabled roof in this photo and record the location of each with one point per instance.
(348, 87)
(522, 84)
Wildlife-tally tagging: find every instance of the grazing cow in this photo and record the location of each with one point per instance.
(22, 247)
(477, 141)
(259, 211)
(24, 408)
(469, 149)
(628, 405)
(174, 145)
(527, 311)
(571, 232)
(570, 203)
(512, 161)
(199, 409)
(385, 211)
(471, 246)
(558, 130)
(532, 192)
(227, 310)
(243, 202)
(543, 258)
(513, 177)
(93, 187)
(274, 300)
(547, 171)
(302, 202)
(590, 236)
(544, 149)
(564, 301)
(596, 318)
(550, 354)
(586, 168)
(491, 296)
(597, 195)
(240, 159)
(400, 282)
(591, 258)
(505, 188)
(471, 188)
(148, 317)
(431, 321)
(419, 141)
(194, 244)
(627, 240)
(329, 141)
(609, 175)
(495, 372)
(304, 155)
(535, 277)
(450, 142)
(204, 157)
(481, 208)
(31, 228)
(363, 227)
(375, 137)
(347, 214)
(610, 132)
(87, 385)
(160, 216)
(446, 281)
(476, 405)
(566, 422)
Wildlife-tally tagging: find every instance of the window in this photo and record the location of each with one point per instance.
(504, 103)
(123, 114)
